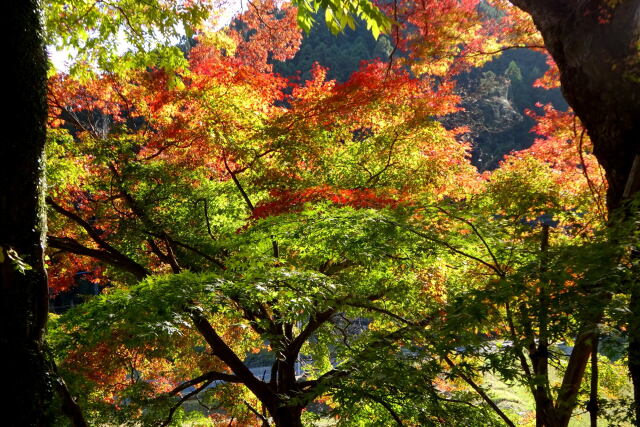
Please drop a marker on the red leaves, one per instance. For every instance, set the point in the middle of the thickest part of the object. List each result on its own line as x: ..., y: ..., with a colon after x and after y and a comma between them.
x: 374, y: 96
x: 265, y: 33
x: 434, y: 33
x: 290, y: 201
x: 559, y: 134
x: 513, y: 27
x: 551, y: 77
x: 63, y: 269
x: 564, y: 145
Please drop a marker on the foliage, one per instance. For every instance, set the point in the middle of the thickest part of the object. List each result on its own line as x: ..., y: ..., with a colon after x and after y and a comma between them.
x: 96, y: 30
x: 341, y: 14
x: 338, y: 226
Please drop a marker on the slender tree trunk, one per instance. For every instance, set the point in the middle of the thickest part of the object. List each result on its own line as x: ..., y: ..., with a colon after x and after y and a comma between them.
x: 23, y: 281
x: 597, y: 50
x: 539, y: 355
x: 592, y: 406
x: 634, y: 346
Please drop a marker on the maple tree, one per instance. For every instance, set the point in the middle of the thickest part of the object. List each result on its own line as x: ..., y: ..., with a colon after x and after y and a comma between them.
x: 597, y: 80
x: 196, y: 183
x: 520, y: 262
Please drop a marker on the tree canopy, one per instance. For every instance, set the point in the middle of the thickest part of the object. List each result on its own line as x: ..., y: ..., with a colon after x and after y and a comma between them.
x: 274, y: 250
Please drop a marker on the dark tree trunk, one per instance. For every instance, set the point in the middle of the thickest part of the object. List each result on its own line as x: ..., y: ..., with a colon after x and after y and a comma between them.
x: 634, y: 346
x: 24, y: 294
x: 598, y: 53
x: 596, y: 50
x: 287, y: 416
x: 284, y: 384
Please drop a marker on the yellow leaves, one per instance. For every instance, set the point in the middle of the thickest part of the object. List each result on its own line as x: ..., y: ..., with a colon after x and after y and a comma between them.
x: 219, y: 40
x: 433, y: 67
x: 434, y: 283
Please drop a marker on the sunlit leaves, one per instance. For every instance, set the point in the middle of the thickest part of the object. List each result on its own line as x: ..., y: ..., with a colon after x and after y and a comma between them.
x: 344, y: 214
x: 340, y: 14
x: 97, y: 31
x: 265, y: 32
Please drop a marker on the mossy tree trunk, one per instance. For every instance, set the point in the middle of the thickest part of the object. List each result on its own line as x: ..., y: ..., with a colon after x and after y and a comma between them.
x: 23, y: 281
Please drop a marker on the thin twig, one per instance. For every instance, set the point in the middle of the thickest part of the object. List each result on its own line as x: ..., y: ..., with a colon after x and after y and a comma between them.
x: 481, y: 392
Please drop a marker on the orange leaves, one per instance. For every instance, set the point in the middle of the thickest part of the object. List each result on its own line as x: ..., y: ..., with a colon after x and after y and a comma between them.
x: 372, y: 131
x: 435, y: 33
x: 102, y: 94
x: 266, y: 31
x: 445, y: 37
x: 372, y: 97
x: 284, y: 201
x: 515, y: 27
x: 566, y: 148
x: 551, y: 78
x: 114, y: 367
x: 63, y: 272
x: 564, y: 144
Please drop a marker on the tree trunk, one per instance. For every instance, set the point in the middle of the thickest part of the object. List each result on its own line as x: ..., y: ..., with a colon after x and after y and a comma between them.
x: 287, y: 416
x: 634, y: 346
x: 23, y: 282
x: 597, y: 50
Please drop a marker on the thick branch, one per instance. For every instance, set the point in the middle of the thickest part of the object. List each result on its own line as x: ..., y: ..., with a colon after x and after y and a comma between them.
x: 314, y: 323
x: 313, y: 388
x: 265, y: 421
x: 69, y: 405
x: 572, y: 379
x: 195, y: 250
x: 209, y: 376
x: 124, y: 261
x: 70, y: 245
x: 206, y: 216
x: 220, y: 349
x: 183, y: 399
x: 386, y: 406
x: 244, y: 194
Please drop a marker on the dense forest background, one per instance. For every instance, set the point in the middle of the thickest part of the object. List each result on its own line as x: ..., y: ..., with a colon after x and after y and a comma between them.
x: 495, y: 96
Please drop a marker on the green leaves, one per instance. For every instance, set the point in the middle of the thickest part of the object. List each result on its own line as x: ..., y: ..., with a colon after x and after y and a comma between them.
x: 342, y: 14
x: 11, y: 256
x: 152, y: 311
x: 97, y: 32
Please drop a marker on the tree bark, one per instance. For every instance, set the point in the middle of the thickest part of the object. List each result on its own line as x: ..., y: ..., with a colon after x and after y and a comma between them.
x: 634, y: 346
x: 23, y: 290
x: 287, y: 416
x: 597, y: 50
